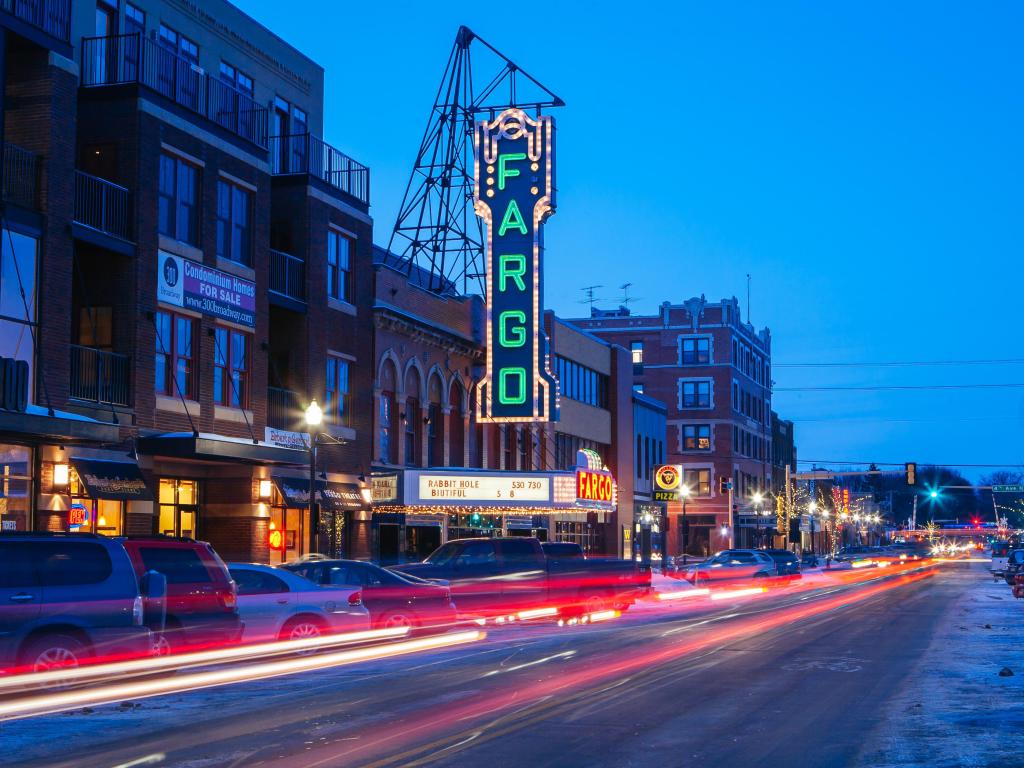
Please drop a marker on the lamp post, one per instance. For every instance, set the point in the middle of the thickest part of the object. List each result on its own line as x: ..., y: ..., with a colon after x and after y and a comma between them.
x: 810, y: 522
x: 757, y: 499
x: 314, y: 417
x: 684, y: 491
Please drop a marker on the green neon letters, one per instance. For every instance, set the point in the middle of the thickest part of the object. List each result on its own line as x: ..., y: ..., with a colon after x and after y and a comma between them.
x: 511, y: 265
x: 507, y: 173
x: 513, y: 219
x: 516, y: 335
x: 505, y: 397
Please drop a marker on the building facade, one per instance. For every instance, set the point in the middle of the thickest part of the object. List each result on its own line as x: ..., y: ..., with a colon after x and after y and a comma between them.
x: 713, y: 371
x: 208, y: 268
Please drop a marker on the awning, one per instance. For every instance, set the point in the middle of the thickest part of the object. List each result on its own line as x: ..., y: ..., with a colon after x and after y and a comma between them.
x: 331, y: 496
x: 37, y: 425
x: 209, y: 447
x: 118, y: 480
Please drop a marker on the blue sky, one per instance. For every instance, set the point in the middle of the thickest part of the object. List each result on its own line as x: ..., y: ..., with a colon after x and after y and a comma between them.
x: 861, y: 160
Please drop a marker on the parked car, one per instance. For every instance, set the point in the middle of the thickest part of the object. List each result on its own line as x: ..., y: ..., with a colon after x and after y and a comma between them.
x: 495, y: 576
x: 1000, y: 553
x: 1014, y: 565
x: 786, y: 563
x: 66, y: 598
x: 277, y: 604
x: 853, y: 554
x: 562, y: 549
x: 732, y: 564
x: 393, y: 599
x: 202, y: 605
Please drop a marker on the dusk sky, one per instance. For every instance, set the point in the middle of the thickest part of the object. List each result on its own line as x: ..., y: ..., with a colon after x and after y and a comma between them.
x: 861, y: 161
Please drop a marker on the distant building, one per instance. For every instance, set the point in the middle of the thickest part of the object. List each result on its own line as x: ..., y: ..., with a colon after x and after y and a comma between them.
x: 713, y: 371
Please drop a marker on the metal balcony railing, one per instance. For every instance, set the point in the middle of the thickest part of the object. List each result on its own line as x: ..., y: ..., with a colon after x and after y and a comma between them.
x: 284, y: 411
x: 120, y: 59
x: 98, y: 376
x: 51, y: 16
x: 20, y: 176
x: 103, y: 205
x: 287, y: 275
x: 306, y: 153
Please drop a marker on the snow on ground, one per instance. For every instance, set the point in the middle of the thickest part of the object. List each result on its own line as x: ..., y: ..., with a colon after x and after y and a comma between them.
x: 955, y: 710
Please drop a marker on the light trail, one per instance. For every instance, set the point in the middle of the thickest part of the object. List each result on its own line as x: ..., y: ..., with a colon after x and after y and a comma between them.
x: 51, y: 703
x: 728, y: 594
x: 151, y: 664
x: 683, y: 594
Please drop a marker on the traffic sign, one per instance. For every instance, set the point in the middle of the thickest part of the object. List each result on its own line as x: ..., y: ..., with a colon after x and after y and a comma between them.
x: 1008, y: 489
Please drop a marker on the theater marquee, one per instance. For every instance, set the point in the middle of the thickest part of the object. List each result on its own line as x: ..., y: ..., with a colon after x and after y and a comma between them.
x: 515, y: 194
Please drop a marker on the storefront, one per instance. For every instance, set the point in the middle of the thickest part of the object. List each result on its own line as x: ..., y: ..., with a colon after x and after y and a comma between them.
x: 16, y: 463
x: 415, y: 511
x: 341, y: 514
x: 100, y: 491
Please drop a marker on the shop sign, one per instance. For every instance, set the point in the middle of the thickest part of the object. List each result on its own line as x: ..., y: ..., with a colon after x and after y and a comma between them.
x: 10, y: 525
x: 668, y: 480
x: 78, y: 515
x: 484, y: 488
x: 189, y: 284
x: 13, y: 384
x: 385, y: 488
x: 514, y: 194
x: 121, y: 481
x: 424, y: 520
x: 282, y: 438
x: 594, y: 486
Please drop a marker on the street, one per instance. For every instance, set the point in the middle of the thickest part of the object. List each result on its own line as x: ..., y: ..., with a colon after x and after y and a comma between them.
x: 792, y: 677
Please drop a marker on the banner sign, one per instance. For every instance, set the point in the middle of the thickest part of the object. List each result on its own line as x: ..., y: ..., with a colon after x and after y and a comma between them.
x: 283, y: 438
x: 385, y: 488
x: 668, y: 480
x: 189, y: 284
x: 486, y: 488
x: 514, y: 194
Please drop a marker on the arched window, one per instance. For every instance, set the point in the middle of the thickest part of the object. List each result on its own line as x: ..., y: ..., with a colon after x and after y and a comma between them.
x: 412, y: 420
x: 435, y: 423
x: 456, y: 426
x: 387, y: 413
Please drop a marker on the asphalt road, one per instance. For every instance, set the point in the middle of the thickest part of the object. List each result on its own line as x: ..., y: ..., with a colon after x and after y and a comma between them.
x: 783, y: 679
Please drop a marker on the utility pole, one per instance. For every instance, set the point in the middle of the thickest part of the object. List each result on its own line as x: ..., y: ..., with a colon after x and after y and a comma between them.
x: 732, y: 522
x: 913, y: 514
x: 789, y: 505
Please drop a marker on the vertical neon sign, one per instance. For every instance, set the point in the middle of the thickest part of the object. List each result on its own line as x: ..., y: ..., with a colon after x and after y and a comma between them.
x: 514, y: 195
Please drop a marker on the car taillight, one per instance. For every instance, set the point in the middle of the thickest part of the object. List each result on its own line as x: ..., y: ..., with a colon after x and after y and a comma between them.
x: 137, y: 612
x: 356, y: 598
x: 228, y: 597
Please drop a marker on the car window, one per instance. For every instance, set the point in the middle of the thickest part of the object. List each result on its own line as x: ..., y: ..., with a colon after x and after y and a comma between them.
x: 1017, y: 556
x: 71, y: 563
x: 340, y: 576
x: 252, y: 582
x: 16, y: 566
x: 742, y: 557
x: 477, y: 553
x: 178, y: 564
x: 513, y: 551
x: 443, y: 554
x: 306, y: 571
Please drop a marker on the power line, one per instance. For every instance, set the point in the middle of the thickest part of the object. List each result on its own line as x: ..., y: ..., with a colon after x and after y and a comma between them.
x: 896, y: 387
x: 902, y: 363
x: 896, y: 420
x: 899, y: 464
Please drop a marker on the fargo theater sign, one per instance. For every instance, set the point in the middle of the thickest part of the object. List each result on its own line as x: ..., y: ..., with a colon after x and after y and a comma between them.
x: 514, y: 195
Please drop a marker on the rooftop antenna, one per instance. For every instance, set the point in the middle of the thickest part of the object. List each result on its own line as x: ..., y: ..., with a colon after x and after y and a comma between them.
x: 748, y: 299
x: 626, y: 298
x: 590, y: 299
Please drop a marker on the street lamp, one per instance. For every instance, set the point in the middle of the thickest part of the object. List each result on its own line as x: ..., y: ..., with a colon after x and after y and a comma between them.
x: 314, y: 417
x: 684, y: 491
x: 756, y: 500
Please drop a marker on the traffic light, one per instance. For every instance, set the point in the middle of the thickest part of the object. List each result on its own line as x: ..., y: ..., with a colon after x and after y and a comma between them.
x: 911, y: 468
x: 724, y: 485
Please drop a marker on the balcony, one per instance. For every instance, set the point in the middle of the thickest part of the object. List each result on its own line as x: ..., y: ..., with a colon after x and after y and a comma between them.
x: 287, y: 281
x: 304, y: 153
x: 103, y: 206
x: 99, y: 377
x: 284, y: 410
x: 50, y: 16
x: 21, y: 177
x: 123, y: 59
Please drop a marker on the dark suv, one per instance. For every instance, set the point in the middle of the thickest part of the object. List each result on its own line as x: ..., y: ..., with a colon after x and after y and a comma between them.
x: 66, y: 598
x: 202, y: 600
x: 786, y: 563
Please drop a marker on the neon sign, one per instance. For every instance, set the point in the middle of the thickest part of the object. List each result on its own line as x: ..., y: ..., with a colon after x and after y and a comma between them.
x: 514, y: 195
x: 595, y: 486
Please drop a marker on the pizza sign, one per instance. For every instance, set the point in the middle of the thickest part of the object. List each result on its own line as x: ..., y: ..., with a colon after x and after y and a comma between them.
x: 668, y: 482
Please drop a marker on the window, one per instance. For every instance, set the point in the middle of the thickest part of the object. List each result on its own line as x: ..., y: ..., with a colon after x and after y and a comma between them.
x: 638, y: 388
x: 696, y: 437
x: 134, y: 20
x: 175, y: 358
x: 695, y: 394
x: 257, y: 582
x: 339, y: 273
x: 698, y: 481
x: 636, y: 350
x: 17, y: 314
x: 234, y: 222
x: 696, y: 351
x: 231, y: 368
x: 178, y: 192
x: 236, y: 79
x: 336, y: 397
x: 71, y: 563
x: 477, y: 553
x: 180, y: 565
x: 577, y: 382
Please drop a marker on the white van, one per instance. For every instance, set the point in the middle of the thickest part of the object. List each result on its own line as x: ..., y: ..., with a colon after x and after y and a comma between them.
x: 1000, y: 553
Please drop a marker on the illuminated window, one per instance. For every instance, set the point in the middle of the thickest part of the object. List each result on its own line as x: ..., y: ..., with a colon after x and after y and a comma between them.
x: 698, y: 481
x: 231, y: 368
x: 339, y: 271
x: 696, y: 437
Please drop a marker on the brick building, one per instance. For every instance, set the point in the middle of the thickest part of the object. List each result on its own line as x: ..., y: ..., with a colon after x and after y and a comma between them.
x: 208, y: 273
x: 713, y: 371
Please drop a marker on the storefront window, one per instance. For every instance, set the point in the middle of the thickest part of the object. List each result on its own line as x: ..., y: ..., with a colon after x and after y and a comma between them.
x: 292, y: 521
x: 179, y: 507
x: 86, y: 515
x: 15, y: 487
x: 18, y: 314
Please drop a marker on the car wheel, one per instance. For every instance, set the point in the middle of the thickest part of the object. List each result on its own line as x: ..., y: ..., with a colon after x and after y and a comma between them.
x: 594, y: 604
x: 302, y: 628
x: 171, y: 640
x: 397, y: 620
x: 51, y: 652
